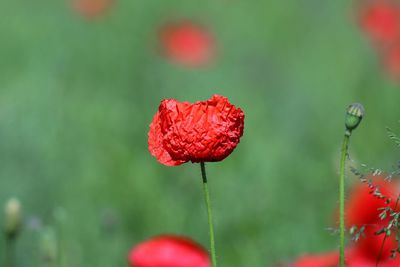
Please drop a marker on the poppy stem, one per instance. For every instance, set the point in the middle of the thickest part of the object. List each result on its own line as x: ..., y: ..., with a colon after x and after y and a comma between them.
x: 209, y: 214
x: 9, y: 252
x: 344, y: 153
x: 354, y: 115
x: 380, y: 250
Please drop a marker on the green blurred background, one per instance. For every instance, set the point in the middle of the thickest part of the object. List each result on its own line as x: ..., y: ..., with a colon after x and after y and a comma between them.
x: 77, y: 96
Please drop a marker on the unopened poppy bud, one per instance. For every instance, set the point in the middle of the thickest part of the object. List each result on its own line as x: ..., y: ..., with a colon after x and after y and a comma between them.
x: 354, y: 115
x: 12, y: 214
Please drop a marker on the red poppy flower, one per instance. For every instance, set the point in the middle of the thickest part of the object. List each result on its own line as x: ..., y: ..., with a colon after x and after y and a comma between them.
x: 355, y: 257
x: 91, y: 8
x: 380, y: 20
x: 168, y: 251
x: 199, y: 132
x: 187, y: 43
x: 363, y: 207
x: 363, y: 210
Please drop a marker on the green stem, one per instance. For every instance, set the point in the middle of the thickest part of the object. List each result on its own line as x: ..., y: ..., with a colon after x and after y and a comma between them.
x: 59, y: 216
x: 380, y: 250
x: 209, y: 214
x: 9, y: 258
x: 341, y: 196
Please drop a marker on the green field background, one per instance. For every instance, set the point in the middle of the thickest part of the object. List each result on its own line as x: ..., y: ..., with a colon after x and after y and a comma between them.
x: 77, y: 97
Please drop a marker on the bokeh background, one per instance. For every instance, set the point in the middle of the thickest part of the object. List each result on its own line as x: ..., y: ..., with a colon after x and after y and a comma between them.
x: 77, y: 94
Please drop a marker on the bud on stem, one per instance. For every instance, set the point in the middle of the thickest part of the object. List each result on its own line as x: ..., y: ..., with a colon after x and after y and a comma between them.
x: 12, y: 227
x: 12, y: 212
x: 354, y: 115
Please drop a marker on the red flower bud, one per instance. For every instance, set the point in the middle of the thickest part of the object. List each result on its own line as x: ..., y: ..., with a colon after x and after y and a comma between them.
x: 168, y: 251
x: 199, y: 132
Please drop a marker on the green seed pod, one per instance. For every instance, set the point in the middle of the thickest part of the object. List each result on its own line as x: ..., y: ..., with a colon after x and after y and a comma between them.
x: 12, y: 212
x: 354, y: 115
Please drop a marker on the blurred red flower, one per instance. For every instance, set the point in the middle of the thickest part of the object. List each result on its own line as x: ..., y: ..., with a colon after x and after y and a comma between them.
x: 91, y: 8
x: 187, y: 43
x: 168, y: 251
x: 355, y: 257
x: 363, y: 209
x: 380, y: 20
x: 199, y: 132
x: 330, y: 259
x: 391, y: 61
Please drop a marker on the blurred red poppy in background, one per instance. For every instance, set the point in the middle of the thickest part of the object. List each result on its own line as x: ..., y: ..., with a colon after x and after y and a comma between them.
x: 362, y: 210
x: 198, y: 132
x: 391, y: 61
x: 330, y: 259
x: 168, y: 251
x: 380, y: 21
x: 91, y: 8
x: 187, y: 43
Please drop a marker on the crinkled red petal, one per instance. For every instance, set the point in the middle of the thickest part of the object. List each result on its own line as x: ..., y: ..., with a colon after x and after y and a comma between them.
x: 155, y: 142
x: 203, y: 131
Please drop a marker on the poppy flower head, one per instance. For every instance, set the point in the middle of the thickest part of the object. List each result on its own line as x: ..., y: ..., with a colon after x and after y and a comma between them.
x: 363, y: 205
x: 354, y: 114
x: 168, y: 251
x: 187, y: 43
x: 363, y: 209
x: 356, y: 257
x: 199, y: 132
x: 380, y: 21
x: 91, y: 8
x: 370, y: 243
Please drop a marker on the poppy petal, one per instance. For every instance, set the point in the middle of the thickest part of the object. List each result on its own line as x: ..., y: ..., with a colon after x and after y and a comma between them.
x: 169, y: 251
x: 156, y: 147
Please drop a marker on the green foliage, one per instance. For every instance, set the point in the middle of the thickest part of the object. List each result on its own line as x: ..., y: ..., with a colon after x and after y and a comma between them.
x: 393, y: 136
x: 77, y: 96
